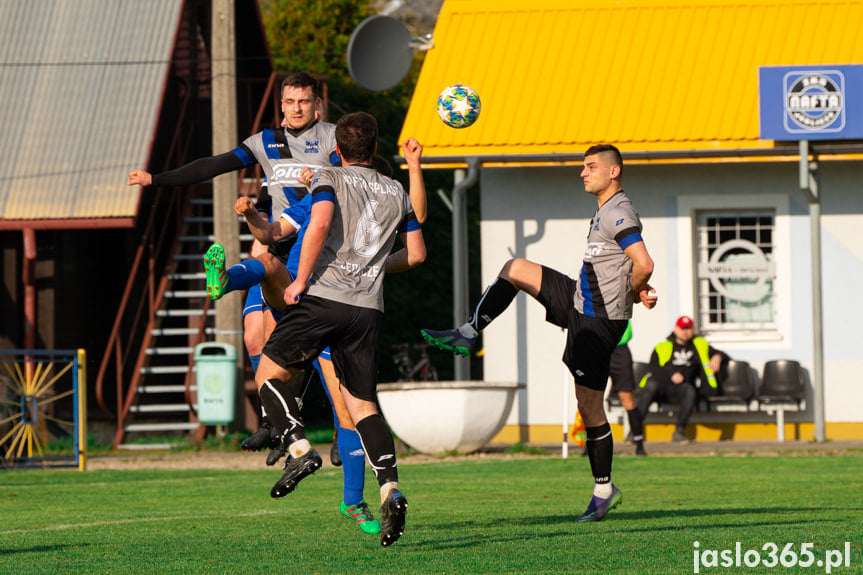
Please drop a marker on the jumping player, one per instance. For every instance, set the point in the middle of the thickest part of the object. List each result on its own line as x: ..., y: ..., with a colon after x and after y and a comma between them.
x: 303, y: 141
x: 594, y: 308
x: 356, y: 214
x: 274, y: 277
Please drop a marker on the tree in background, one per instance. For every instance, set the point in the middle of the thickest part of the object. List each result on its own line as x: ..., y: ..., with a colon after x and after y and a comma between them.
x: 313, y: 35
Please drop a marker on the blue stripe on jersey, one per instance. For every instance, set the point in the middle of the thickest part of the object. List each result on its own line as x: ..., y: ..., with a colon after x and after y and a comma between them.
x: 585, y: 291
x: 594, y: 304
x: 412, y: 224
x: 629, y: 240
x: 243, y: 156
x: 324, y: 194
x: 270, y: 144
x: 627, y: 237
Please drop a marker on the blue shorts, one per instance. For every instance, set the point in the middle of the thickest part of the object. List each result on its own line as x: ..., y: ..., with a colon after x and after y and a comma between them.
x: 254, y: 300
x: 264, y: 305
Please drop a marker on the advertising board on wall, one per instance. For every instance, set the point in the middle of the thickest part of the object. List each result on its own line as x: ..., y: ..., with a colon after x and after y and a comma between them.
x: 822, y: 102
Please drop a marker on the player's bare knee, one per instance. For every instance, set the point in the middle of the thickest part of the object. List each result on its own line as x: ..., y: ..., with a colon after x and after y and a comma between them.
x: 510, y: 269
x: 270, y: 261
x: 590, y: 405
x: 268, y: 369
x: 254, y: 342
x: 524, y: 274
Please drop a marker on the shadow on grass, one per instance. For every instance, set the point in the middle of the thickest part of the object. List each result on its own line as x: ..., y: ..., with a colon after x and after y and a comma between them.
x: 659, y: 515
x: 38, y: 549
x: 614, y: 523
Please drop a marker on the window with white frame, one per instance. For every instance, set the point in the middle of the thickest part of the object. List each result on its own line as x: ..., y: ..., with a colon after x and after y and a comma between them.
x: 735, y: 270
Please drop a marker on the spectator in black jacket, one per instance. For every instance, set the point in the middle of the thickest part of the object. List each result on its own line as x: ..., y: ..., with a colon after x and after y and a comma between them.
x: 675, y: 365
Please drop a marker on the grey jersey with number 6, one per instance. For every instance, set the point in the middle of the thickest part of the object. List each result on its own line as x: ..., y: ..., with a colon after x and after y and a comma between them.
x: 370, y: 209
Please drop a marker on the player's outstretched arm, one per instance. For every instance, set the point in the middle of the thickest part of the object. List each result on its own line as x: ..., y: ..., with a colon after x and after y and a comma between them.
x: 265, y: 232
x: 412, y: 151
x: 410, y: 256
x: 139, y: 177
x: 194, y: 172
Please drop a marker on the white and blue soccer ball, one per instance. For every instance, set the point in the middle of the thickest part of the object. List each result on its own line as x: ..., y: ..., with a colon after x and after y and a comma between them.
x: 458, y: 106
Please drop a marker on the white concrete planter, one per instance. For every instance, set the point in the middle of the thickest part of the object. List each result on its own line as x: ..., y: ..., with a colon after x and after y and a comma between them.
x: 436, y: 417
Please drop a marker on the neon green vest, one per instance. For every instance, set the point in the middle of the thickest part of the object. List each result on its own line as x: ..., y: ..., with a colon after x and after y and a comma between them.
x: 663, y: 352
x: 627, y: 335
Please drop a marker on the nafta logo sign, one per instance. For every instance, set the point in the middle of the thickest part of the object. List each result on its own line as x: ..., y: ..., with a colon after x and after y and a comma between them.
x: 810, y: 102
x: 814, y: 101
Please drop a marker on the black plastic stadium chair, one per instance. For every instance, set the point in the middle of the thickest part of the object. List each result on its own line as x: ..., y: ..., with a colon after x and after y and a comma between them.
x: 737, y: 390
x: 783, y: 382
x: 783, y: 388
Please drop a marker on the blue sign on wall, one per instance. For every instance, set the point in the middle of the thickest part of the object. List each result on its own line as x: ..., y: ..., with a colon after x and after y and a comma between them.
x: 811, y: 102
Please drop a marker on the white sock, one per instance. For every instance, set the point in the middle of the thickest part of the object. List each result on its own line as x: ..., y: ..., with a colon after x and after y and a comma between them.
x: 387, y: 488
x: 602, y: 490
x: 467, y: 330
x: 299, y: 448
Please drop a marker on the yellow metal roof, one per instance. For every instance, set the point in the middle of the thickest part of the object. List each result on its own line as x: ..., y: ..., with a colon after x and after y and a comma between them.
x: 555, y: 76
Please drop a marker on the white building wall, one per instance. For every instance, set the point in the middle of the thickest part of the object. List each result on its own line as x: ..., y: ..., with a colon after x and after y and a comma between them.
x: 543, y: 213
x: 842, y: 259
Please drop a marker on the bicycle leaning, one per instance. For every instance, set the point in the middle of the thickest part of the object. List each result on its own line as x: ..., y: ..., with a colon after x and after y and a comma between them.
x: 410, y: 370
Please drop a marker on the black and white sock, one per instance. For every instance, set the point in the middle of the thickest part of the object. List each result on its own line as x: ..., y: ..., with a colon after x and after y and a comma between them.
x: 493, y: 302
x: 284, y: 414
x: 379, y: 447
x: 600, y: 452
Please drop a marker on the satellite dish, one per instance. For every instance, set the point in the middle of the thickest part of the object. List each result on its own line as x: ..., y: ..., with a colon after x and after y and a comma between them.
x: 379, y: 53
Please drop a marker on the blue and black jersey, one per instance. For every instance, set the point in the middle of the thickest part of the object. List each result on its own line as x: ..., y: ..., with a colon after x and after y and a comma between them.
x: 605, y: 282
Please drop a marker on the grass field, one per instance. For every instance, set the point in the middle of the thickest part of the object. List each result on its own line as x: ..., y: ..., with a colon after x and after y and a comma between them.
x: 475, y: 516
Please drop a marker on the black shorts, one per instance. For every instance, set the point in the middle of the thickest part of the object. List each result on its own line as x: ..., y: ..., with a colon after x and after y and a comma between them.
x: 589, y: 340
x: 282, y: 248
x: 620, y: 368
x: 352, y: 333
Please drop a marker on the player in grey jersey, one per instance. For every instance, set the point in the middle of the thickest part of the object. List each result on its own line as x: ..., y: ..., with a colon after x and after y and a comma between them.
x: 355, y: 216
x: 594, y: 309
x: 302, y: 141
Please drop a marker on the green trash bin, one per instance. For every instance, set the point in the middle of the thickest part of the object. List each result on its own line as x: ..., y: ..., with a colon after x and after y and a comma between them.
x: 216, y: 378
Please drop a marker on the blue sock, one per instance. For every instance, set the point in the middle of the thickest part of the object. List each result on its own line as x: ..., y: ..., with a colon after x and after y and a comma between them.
x: 353, y: 465
x: 244, y: 275
x: 255, y: 359
x: 352, y: 454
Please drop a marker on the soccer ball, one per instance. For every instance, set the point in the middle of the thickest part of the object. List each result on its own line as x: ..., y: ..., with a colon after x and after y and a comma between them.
x: 458, y: 106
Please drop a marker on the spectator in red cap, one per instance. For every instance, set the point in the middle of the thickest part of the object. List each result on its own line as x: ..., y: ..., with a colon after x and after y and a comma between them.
x: 675, y: 365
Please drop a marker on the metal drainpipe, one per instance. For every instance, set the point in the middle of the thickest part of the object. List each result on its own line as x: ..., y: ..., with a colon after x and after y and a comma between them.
x: 809, y: 186
x: 29, y: 277
x: 460, y: 299
x: 29, y: 273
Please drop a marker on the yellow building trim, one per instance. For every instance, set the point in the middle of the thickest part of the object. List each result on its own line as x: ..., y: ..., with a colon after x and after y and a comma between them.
x: 556, y: 76
x: 766, y: 431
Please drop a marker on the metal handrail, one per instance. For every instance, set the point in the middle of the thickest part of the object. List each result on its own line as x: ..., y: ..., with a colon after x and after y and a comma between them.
x: 114, y: 348
x: 120, y: 353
